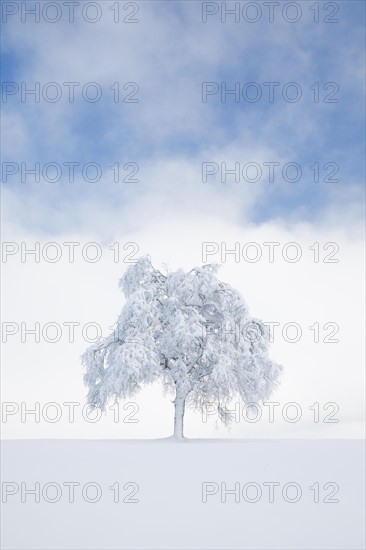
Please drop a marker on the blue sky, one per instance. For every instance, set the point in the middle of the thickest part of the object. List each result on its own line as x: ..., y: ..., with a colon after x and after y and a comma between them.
x: 169, y: 53
x: 170, y: 212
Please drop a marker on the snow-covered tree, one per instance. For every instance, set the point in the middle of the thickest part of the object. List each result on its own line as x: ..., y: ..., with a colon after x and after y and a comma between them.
x: 190, y: 331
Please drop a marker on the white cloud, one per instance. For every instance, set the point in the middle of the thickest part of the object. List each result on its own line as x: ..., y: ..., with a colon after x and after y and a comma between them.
x: 305, y: 293
x: 171, y: 212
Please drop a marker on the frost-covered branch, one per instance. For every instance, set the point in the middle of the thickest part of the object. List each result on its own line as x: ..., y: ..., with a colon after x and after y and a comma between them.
x: 179, y: 337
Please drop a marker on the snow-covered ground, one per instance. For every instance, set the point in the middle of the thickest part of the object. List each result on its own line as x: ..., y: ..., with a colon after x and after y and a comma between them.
x: 170, y: 495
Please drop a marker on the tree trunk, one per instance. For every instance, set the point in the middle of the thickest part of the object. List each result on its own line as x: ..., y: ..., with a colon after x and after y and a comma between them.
x: 179, y: 404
